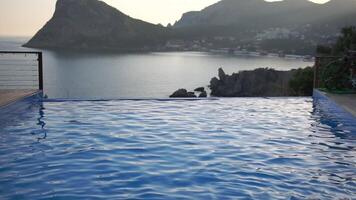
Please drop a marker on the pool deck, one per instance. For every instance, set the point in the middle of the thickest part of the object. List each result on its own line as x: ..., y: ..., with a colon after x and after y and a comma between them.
x: 347, y: 101
x: 10, y: 96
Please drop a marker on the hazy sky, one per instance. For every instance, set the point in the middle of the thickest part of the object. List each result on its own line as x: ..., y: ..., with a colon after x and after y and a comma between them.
x: 26, y: 17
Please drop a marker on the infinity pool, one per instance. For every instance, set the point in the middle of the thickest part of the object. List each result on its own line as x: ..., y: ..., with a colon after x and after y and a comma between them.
x: 248, y: 148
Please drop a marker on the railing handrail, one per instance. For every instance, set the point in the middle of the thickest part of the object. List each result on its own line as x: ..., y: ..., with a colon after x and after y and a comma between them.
x: 39, y: 60
x: 17, y: 52
x: 321, y: 56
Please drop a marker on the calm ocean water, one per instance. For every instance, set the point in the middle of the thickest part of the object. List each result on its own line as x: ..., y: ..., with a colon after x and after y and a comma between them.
x: 140, y: 75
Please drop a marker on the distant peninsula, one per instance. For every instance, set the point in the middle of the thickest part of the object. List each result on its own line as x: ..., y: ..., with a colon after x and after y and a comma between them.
x: 289, y: 26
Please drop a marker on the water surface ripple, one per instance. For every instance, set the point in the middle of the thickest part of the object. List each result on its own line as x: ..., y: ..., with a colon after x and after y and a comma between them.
x: 248, y: 148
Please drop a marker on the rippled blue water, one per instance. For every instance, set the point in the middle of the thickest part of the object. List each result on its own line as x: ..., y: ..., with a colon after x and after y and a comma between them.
x: 248, y: 148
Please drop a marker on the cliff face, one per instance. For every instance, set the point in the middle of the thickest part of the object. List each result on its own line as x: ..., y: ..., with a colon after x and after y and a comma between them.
x: 257, y: 83
x: 92, y: 24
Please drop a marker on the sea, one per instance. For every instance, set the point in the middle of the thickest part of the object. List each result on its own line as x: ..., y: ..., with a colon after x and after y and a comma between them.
x: 103, y: 75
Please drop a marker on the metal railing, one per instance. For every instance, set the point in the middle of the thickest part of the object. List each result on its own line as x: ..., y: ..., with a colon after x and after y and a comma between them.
x: 322, y: 62
x: 21, y: 70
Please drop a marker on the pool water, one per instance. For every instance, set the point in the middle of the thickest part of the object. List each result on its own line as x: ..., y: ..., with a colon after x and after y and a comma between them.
x: 239, y: 148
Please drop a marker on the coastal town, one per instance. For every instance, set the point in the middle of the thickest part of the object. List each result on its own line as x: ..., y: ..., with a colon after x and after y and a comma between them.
x: 207, y: 46
x: 258, y: 44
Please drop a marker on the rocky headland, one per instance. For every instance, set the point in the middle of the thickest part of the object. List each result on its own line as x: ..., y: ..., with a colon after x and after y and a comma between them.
x: 94, y: 25
x: 256, y: 83
x: 262, y: 82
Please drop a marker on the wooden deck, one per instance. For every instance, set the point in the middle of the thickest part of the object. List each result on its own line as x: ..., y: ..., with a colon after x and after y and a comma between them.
x: 9, y: 96
x: 347, y: 101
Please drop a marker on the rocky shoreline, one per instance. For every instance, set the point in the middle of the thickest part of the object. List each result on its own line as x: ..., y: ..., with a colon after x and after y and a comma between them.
x: 262, y: 82
x: 256, y: 83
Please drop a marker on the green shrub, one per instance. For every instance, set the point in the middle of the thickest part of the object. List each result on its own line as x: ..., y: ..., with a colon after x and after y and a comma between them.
x: 302, y: 82
x: 336, y: 76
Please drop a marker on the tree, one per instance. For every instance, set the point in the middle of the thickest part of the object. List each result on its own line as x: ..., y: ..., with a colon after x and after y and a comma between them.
x: 347, y: 41
x: 336, y: 74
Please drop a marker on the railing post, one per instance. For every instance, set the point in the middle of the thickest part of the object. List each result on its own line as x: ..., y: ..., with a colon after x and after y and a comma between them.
x: 40, y: 70
x: 316, y: 72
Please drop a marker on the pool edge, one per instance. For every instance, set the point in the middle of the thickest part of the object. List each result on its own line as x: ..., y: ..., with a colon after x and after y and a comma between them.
x: 332, y: 108
x: 20, y: 104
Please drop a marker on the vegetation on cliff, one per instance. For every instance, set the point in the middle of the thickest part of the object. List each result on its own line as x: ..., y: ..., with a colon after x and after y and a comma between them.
x: 302, y: 82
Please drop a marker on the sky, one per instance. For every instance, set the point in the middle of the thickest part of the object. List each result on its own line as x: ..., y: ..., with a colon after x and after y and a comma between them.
x: 26, y: 17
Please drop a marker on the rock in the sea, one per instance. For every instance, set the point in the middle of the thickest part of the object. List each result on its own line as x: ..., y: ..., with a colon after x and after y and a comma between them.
x: 222, y: 74
x: 203, y: 94
x: 200, y: 89
x: 183, y: 93
x: 191, y: 95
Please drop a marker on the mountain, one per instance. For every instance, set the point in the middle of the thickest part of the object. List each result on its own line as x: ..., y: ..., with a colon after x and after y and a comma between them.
x: 259, y: 14
x: 289, y: 26
x: 92, y: 24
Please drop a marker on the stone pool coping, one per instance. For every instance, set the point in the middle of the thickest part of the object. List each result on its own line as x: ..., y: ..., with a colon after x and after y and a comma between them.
x: 339, y: 102
x: 347, y: 101
x: 9, y: 96
x: 20, y: 104
x: 335, y: 109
